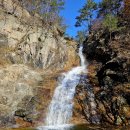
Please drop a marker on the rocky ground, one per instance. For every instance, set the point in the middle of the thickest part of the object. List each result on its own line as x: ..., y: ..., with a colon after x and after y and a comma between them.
x: 109, y: 77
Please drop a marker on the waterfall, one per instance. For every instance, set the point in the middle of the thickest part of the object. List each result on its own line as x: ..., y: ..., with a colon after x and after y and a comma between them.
x: 82, y: 58
x: 61, y: 107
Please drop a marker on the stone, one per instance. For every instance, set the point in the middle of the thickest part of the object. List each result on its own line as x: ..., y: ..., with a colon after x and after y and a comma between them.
x: 33, y: 44
x: 21, y: 94
x: 108, y: 73
x: 31, y: 59
x: 3, y: 40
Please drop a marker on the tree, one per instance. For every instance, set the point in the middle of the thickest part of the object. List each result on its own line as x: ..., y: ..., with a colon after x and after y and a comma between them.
x: 111, y: 23
x: 86, y: 14
x: 47, y: 9
x: 62, y: 25
x: 50, y: 10
x: 81, y: 35
x: 109, y: 7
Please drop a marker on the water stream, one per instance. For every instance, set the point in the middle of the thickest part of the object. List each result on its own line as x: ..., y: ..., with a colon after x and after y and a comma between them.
x: 61, y: 106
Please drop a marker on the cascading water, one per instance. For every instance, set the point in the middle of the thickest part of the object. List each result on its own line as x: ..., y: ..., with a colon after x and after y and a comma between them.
x: 61, y: 106
x: 60, y: 109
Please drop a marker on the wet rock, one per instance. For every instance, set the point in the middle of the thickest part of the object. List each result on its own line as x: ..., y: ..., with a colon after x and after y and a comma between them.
x: 85, y: 105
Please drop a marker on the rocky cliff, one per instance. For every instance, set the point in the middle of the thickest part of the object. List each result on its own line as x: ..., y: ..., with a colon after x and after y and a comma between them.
x: 31, y: 57
x: 30, y: 42
x: 109, y: 77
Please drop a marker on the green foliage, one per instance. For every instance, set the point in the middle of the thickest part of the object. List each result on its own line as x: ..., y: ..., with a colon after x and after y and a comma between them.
x: 103, y: 8
x: 81, y: 35
x: 86, y: 14
x: 110, y: 22
x: 109, y: 7
x: 47, y: 9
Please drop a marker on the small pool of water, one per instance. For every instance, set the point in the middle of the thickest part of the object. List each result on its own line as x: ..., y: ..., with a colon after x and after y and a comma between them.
x: 76, y: 127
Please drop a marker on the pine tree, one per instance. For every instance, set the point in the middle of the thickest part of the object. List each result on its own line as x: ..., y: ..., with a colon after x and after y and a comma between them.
x: 111, y: 23
x: 86, y: 14
x: 109, y: 7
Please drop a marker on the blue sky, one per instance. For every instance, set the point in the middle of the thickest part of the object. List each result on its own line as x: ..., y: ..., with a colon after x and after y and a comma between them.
x: 70, y: 12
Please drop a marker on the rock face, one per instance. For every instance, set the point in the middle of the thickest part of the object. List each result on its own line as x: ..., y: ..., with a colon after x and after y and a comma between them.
x: 109, y: 76
x: 85, y: 110
x: 30, y: 42
x: 22, y: 94
x: 31, y: 57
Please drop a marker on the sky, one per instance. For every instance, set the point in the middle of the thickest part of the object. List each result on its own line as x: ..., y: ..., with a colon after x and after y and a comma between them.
x: 70, y: 12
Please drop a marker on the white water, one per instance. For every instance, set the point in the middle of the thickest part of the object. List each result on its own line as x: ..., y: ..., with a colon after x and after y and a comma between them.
x: 61, y: 106
x: 60, y: 109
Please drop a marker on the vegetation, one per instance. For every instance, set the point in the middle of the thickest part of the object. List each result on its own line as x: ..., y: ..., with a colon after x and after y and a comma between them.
x: 109, y: 7
x: 86, y: 14
x: 110, y: 22
x: 81, y: 35
x: 48, y: 10
x: 105, y: 14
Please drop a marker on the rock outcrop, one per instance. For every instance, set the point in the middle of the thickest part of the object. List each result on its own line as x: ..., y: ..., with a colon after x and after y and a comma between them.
x: 109, y: 76
x: 30, y: 42
x: 31, y: 57
x: 22, y: 94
